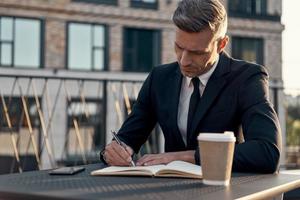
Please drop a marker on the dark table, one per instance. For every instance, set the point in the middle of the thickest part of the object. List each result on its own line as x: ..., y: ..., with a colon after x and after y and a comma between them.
x: 40, y: 185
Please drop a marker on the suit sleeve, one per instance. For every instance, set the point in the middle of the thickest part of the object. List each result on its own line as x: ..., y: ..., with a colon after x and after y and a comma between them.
x: 137, y: 127
x: 261, y: 150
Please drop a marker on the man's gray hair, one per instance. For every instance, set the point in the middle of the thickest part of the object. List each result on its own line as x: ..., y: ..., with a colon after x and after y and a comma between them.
x: 197, y: 15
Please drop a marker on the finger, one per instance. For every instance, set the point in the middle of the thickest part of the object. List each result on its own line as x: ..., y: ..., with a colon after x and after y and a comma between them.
x: 145, y: 159
x: 129, y: 150
x: 157, y: 161
x: 120, y: 150
x: 140, y: 161
x: 112, y: 155
x: 113, y: 158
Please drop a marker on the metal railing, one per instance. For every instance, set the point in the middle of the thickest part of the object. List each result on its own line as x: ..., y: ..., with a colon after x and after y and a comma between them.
x: 51, y: 118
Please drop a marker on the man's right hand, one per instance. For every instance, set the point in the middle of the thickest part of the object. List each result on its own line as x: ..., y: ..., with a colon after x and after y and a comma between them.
x: 117, y: 155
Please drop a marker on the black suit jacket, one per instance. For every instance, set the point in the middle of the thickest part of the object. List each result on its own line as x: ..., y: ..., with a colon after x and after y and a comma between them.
x: 235, y: 98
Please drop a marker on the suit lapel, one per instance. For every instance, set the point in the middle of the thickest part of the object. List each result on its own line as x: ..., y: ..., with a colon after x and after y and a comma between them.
x: 211, y: 92
x: 213, y: 88
x: 174, y: 95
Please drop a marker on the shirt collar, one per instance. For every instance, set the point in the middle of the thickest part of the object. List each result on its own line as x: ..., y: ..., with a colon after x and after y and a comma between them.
x: 204, y: 77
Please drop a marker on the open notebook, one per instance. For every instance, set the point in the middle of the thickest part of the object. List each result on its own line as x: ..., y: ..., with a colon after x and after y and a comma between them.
x: 173, y: 169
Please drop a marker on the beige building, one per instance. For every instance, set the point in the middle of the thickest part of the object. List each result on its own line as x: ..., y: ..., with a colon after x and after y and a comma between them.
x: 115, y: 40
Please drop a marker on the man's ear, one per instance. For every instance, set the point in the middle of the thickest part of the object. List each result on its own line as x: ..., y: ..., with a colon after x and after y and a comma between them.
x: 222, y: 43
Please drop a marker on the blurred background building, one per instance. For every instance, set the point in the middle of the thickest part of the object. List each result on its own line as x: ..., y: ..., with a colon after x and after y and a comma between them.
x: 70, y: 70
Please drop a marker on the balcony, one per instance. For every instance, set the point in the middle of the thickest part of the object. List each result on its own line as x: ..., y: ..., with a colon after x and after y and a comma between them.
x: 52, y: 118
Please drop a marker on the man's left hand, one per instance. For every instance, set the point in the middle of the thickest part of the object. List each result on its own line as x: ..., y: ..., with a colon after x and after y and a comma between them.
x: 165, y: 158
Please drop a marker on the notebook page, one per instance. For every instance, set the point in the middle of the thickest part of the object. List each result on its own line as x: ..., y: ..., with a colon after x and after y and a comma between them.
x: 184, y: 167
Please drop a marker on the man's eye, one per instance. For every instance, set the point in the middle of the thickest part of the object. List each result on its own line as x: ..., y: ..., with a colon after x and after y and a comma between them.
x: 178, y: 47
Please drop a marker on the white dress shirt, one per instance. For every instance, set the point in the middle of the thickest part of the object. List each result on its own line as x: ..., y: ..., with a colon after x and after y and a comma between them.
x: 186, y: 91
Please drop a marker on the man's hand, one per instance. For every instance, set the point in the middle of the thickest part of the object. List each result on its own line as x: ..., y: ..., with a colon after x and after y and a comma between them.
x: 115, y: 154
x: 165, y: 158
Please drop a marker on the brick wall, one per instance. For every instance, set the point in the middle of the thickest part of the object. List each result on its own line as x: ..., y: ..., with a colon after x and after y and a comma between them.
x: 270, y: 32
x: 55, y: 43
x: 57, y: 13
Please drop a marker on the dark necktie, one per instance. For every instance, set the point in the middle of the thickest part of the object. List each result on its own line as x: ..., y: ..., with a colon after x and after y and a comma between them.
x: 194, y: 100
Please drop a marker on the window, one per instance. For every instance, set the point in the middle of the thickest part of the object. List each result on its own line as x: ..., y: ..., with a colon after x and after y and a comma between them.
x: 256, y: 9
x: 16, y: 113
x: 20, y: 130
x: 250, y: 49
x: 108, y: 2
x: 91, y: 123
x: 147, y: 4
x: 252, y: 7
x: 141, y: 49
x: 20, y: 42
x: 86, y: 46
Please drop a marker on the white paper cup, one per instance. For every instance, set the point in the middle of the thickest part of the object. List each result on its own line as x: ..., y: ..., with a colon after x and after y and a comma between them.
x: 216, y: 155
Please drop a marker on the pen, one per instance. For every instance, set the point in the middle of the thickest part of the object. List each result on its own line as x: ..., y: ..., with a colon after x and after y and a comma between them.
x: 120, y: 143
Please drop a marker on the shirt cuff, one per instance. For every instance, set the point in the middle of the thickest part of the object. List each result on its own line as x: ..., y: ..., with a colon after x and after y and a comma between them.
x: 102, y: 157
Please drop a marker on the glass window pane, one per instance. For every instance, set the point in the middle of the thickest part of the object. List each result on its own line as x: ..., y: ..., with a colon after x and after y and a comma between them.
x: 6, y: 28
x: 149, y: 1
x: 255, y: 7
x: 91, y: 126
x: 147, y: 4
x: 250, y: 49
x: 6, y: 56
x: 99, y: 36
x: 258, y: 7
x: 248, y: 6
x: 146, y: 1
x: 249, y: 54
x: 139, y: 54
x: 27, y: 43
x: 79, y: 46
x: 99, y: 59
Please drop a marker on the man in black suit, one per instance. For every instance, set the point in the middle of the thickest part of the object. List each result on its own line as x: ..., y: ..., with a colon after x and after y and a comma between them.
x: 204, y: 91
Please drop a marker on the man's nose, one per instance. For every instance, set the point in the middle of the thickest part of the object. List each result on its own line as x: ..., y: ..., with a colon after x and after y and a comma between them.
x: 185, y: 59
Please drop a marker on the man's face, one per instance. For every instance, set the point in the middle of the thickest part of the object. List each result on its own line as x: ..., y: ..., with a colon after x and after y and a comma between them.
x: 196, y: 52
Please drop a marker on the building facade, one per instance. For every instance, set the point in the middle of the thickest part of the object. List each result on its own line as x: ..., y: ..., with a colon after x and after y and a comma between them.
x: 121, y: 39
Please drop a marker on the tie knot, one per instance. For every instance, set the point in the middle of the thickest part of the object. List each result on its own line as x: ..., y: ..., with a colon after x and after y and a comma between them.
x: 196, y: 82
